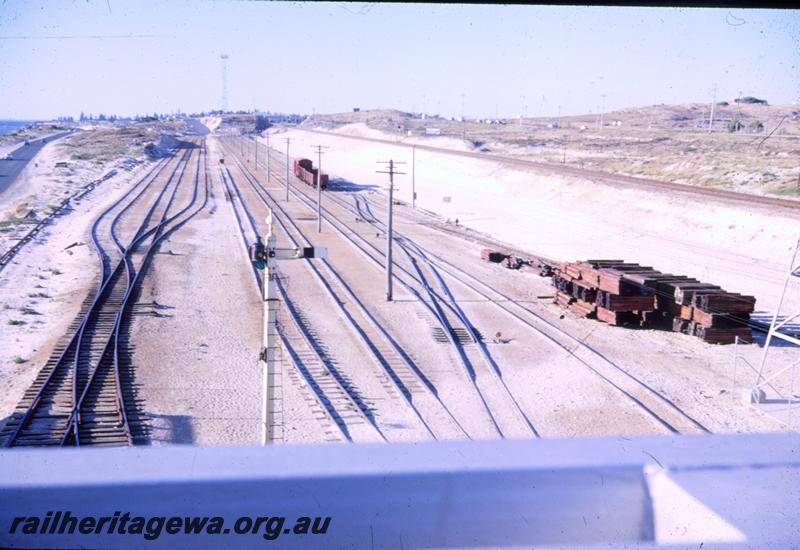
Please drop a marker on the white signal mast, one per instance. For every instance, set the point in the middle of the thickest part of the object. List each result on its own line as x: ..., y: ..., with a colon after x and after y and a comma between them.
x: 265, y: 255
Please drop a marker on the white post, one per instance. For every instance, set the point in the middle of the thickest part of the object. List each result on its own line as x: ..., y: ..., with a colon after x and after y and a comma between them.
x: 735, y: 365
x: 268, y: 157
x: 711, y: 118
x: 287, y: 169
x: 271, y: 337
x: 319, y: 190
x: 389, y: 236
x: 413, y: 176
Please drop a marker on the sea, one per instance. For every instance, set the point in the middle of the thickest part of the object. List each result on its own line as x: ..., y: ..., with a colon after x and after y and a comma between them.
x: 8, y: 126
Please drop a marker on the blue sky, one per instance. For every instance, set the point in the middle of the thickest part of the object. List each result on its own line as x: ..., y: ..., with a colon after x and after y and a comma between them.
x: 145, y: 56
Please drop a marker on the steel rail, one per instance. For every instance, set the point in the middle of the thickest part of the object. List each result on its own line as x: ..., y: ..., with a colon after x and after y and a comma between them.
x: 666, y: 424
x: 69, y: 345
x: 323, y: 398
x: 131, y: 281
x: 264, y: 195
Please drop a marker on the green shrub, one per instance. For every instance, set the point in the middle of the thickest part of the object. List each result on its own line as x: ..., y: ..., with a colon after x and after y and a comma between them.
x: 734, y: 126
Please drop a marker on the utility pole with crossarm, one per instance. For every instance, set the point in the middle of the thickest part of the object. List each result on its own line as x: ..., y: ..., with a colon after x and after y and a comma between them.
x: 389, y: 237
x: 319, y: 149
x: 288, y: 140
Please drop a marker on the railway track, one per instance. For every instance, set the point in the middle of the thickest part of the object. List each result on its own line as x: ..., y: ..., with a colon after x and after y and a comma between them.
x: 342, y: 417
x: 502, y: 409
x: 83, y: 394
x: 664, y: 411
x: 9, y: 254
x: 660, y: 408
x: 503, y: 412
x: 396, y: 369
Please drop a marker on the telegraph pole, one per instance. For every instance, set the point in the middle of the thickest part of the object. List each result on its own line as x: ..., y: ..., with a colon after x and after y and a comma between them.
x: 319, y: 149
x: 224, y: 100
x: 463, y: 121
x: 713, y: 102
x: 602, y: 109
x: 267, y: 158
x: 287, y: 169
x: 389, y: 237
x: 414, y: 176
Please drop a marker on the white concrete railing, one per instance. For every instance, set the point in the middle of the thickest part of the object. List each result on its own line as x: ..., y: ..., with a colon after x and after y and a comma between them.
x: 742, y: 490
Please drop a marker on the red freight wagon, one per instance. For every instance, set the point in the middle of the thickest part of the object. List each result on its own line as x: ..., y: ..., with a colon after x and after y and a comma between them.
x: 304, y: 169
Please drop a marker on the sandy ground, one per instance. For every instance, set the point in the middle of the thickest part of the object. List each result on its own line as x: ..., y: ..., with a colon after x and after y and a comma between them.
x: 742, y: 249
x: 735, y: 253
x: 562, y: 395
x: 196, y: 359
x: 211, y: 122
x: 197, y: 329
x: 196, y: 362
x: 662, y: 142
x: 52, y: 282
x: 41, y: 186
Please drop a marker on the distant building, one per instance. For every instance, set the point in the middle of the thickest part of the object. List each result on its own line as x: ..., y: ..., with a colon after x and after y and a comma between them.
x: 356, y: 109
x: 432, y: 131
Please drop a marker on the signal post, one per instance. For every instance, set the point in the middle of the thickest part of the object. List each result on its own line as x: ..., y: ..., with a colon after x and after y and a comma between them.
x: 265, y: 255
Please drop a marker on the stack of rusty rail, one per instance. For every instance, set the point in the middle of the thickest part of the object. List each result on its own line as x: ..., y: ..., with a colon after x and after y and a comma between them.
x: 625, y: 294
x: 510, y: 261
x: 595, y: 288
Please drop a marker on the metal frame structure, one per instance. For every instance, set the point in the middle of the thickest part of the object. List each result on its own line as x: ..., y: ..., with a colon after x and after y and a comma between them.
x: 780, y: 328
x: 731, y: 491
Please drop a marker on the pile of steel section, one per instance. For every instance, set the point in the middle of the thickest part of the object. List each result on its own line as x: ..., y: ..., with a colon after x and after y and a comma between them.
x: 626, y: 294
x: 528, y: 265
